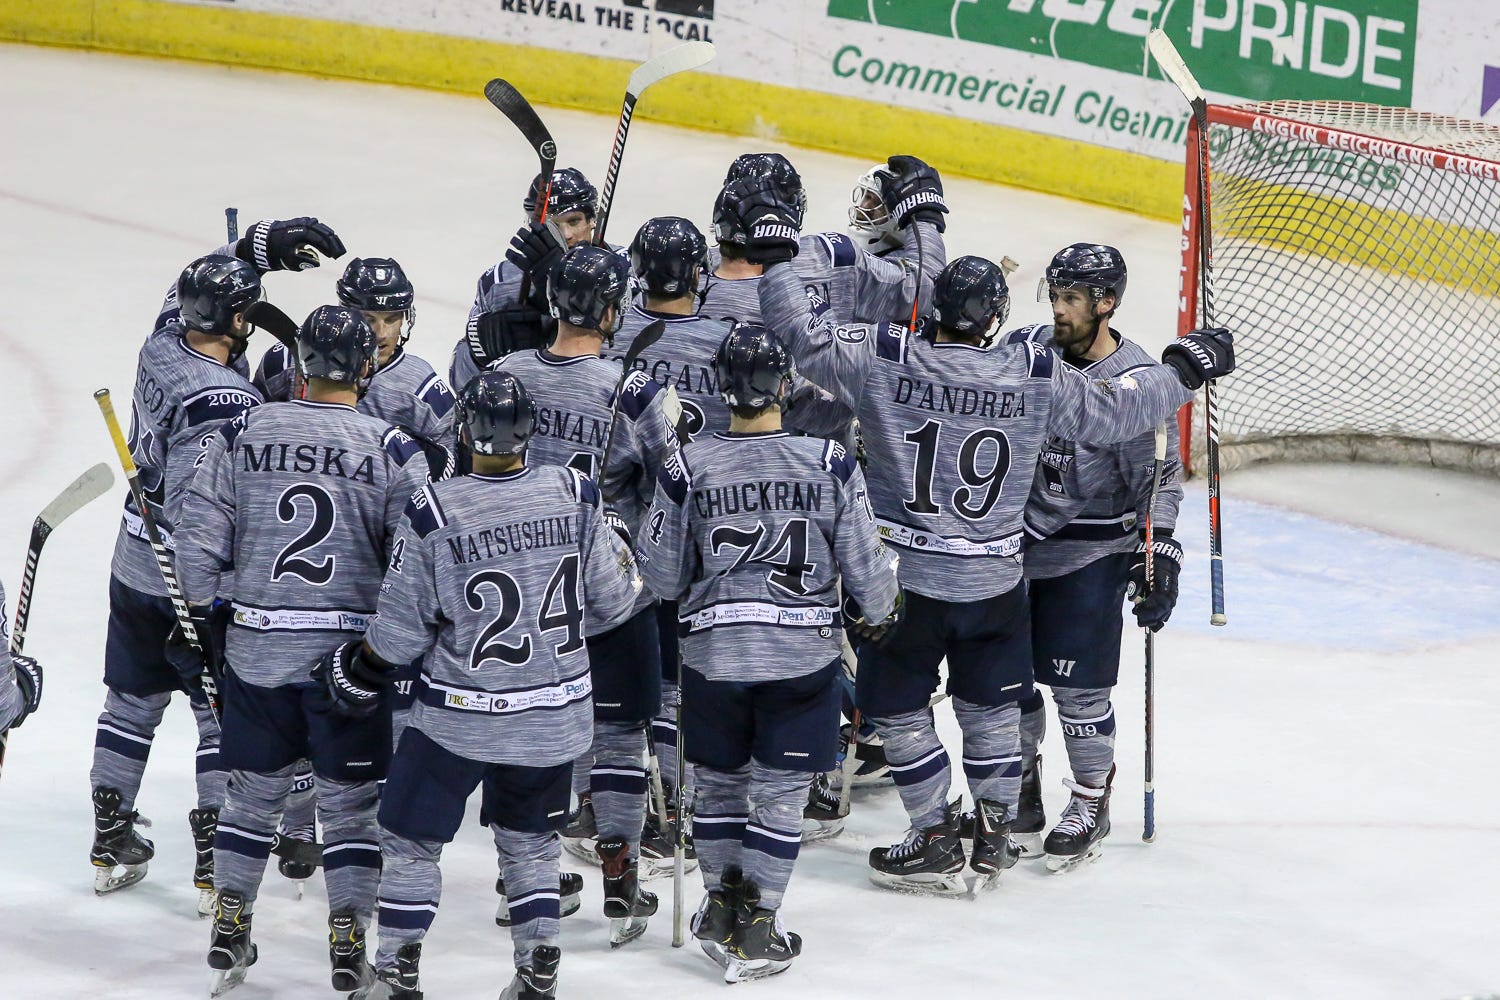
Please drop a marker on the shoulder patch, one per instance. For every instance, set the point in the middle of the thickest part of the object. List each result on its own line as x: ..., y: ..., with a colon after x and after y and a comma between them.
x: 841, y: 249
x: 890, y: 342
x: 583, y: 488
x: 674, y: 476
x: 436, y: 394
x: 218, y: 404
x: 399, y: 445
x: 231, y: 429
x: 1042, y: 360
x: 424, y: 512
x: 636, y: 393
x: 1039, y: 332
x: 488, y: 280
x: 838, y: 461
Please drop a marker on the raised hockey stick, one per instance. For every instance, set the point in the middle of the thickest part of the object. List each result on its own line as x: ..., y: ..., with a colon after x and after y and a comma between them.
x: 94, y: 483
x: 265, y: 316
x: 508, y: 100
x: 1170, y: 61
x: 679, y: 833
x: 678, y: 59
x: 232, y: 223
x: 1158, y: 465
x: 159, y: 549
x: 648, y: 336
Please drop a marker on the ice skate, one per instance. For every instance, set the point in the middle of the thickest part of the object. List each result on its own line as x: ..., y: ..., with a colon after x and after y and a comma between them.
x: 871, y: 769
x: 1084, y: 823
x: 346, y: 953
x: 718, y: 916
x: 119, y: 854
x: 761, y: 947
x: 203, y: 822
x: 994, y: 850
x: 399, y: 983
x: 1031, y: 817
x: 626, y: 904
x: 581, y: 834
x: 820, y: 817
x: 298, y: 855
x: 657, y: 848
x: 569, y: 892
x: 537, y: 981
x: 927, y: 862
x: 230, y: 951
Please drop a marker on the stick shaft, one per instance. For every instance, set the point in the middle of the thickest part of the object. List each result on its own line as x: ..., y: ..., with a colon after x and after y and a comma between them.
x: 232, y: 223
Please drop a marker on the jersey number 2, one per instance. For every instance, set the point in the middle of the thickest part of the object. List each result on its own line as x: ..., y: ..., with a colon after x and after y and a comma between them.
x: 289, y: 562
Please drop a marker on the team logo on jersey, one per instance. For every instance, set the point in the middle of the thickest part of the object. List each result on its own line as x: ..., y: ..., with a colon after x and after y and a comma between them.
x: 1064, y: 668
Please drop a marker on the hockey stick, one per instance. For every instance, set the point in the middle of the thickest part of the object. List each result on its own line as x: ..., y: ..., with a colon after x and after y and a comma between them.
x: 93, y: 484
x: 1159, y: 463
x: 1170, y: 61
x: 159, y: 549
x: 658, y: 793
x: 647, y: 337
x: 232, y: 224
x: 511, y: 104
x: 678, y: 59
x: 265, y: 316
x: 679, y: 834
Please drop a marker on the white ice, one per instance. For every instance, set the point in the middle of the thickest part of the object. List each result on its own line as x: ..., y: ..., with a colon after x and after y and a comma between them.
x: 1326, y: 800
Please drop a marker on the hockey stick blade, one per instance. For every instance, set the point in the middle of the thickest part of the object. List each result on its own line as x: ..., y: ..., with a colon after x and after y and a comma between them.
x: 509, y: 102
x: 678, y: 59
x: 94, y: 483
x: 275, y: 322
x: 1170, y: 61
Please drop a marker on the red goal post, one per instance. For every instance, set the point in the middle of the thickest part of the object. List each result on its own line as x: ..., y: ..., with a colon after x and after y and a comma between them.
x: 1356, y: 257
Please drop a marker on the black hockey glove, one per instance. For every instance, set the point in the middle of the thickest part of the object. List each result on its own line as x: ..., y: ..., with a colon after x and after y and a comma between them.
x: 29, y: 682
x: 614, y: 520
x: 353, y: 678
x: 1154, y: 604
x: 187, y: 661
x: 1200, y: 356
x: 874, y: 633
x: 913, y: 192
x: 506, y: 331
x: 537, y: 249
x: 772, y: 223
x: 288, y: 244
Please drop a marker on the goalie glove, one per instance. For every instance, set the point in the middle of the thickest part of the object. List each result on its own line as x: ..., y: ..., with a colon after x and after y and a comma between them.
x: 353, y: 678
x: 29, y: 683
x: 874, y: 633
x: 1154, y: 603
x: 288, y: 244
x: 912, y: 192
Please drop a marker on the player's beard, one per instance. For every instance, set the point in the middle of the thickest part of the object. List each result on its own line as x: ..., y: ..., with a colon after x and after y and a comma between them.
x: 1075, y: 339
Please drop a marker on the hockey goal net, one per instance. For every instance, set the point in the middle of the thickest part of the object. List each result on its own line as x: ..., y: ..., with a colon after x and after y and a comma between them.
x: 1356, y: 257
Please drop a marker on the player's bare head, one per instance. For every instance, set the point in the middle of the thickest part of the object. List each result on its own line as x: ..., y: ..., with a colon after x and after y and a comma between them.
x: 773, y: 167
x: 336, y: 348
x: 1085, y: 284
x: 869, y: 218
x: 587, y: 294
x: 754, y: 370
x: 667, y: 256
x: 380, y: 290
x: 970, y: 299
x: 495, y: 415
x: 570, y: 199
x: 213, y: 293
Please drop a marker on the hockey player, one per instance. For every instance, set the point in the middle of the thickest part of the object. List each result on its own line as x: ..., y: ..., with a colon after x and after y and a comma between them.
x: 579, y: 418
x: 20, y: 680
x: 499, y: 322
x: 302, y: 500
x: 496, y: 578
x: 753, y: 529
x: 945, y: 420
x: 185, y: 388
x: 1079, y: 575
x: 731, y: 290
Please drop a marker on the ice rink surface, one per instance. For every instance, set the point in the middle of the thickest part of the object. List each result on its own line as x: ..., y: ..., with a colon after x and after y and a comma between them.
x: 1326, y: 794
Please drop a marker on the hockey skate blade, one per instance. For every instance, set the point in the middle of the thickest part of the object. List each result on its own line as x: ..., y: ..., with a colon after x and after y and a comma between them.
x: 1030, y: 845
x: 1059, y: 864
x: 623, y: 930
x: 221, y: 981
x: 739, y: 970
x: 116, y: 877
x: 582, y: 849
x: 651, y: 869
x: 208, y: 902
x: 926, y: 884
x: 715, y: 951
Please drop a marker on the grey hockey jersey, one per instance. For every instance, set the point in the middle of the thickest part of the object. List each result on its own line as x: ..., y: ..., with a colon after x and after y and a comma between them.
x: 860, y: 287
x: 10, y: 695
x: 180, y: 400
x: 753, y: 533
x: 302, y: 500
x: 1089, y: 500
x: 497, y: 288
x: 736, y: 300
x: 952, y: 432
x: 494, y: 581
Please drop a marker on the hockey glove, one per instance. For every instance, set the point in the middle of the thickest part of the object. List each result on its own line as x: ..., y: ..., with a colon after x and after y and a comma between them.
x: 506, y: 331
x: 1154, y: 604
x: 187, y: 661
x: 353, y: 678
x: 537, y: 249
x: 913, y: 192
x: 874, y: 633
x: 29, y: 683
x: 288, y: 244
x: 614, y: 520
x: 1201, y: 356
x: 772, y: 223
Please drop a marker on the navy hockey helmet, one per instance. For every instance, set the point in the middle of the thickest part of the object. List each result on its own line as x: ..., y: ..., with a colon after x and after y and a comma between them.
x: 586, y: 284
x: 970, y: 297
x: 335, y: 343
x: 496, y: 414
x: 775, y: 167
x: 212, y: 289
x: 665, y: 253
x: 571, y: 192
x: 375, y: 284
x: 753, y: 367
x: 1099, y: 268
